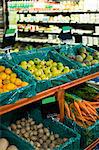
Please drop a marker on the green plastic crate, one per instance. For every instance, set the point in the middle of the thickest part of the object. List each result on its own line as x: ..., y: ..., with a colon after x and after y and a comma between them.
x: 23, y: 92
x: 73, y: 142
x: 87, y: 134
x: 46, y: 55
x: 14, y: 140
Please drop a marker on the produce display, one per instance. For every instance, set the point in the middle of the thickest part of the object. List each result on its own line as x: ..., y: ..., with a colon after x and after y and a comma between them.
x: 85, y: 57
x: 9, y: 80
x: 81, y: 111
x: 4, y: 145
x: 85, y: 92
x: 38, y: 136
x: 44, y: 70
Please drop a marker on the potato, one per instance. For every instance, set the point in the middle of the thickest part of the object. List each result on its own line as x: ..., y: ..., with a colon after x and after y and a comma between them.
x: 44, y: 145
x: 41, y: 141
x: 46, y: 130
x: 26, y: 135
x: 23, y: 131
x: 27, y: 128
x: 22, y: 124
x: 35, y: 127
x: 17, y: 131
x: 19, y: 126
x: 13, y: 127
x: 56, y: 136
x: 12, y: 147
x: 44, y: 138
x: 52, y: 138
x: 34, y: 132
x: 40, y: 126
x: 48, y: 134
x: 40, y: 135
x: 31, y: 142
x: 41, y: 131
x: 18, y: 122
x: 23, y: 119
x: 33, y: 138
x: 30, y: 120
x: 31, y: 133
x: 3, y: 144
x: 48, y: 142
x: 32, y: 123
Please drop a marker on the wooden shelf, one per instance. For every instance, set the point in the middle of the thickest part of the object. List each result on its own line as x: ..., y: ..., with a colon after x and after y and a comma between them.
x: 59, y: 89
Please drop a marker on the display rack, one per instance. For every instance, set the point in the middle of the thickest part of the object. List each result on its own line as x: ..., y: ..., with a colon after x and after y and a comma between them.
x: 59, y: 91
x: 76, y: 25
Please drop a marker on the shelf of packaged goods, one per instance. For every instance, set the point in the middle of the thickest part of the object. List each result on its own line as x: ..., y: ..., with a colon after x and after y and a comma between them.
x: 59, y: 23
x: 38, y: 32
x: 58, y: 91
x: 58, y: 12
x: 37, y: 40
x: 91, y: 35
x: 93, y: 145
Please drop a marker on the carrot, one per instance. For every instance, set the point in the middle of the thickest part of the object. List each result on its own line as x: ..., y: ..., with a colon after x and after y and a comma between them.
x: 92, y: 111
x: 94, y: 103
x: 89, y: 123
x: 96, y: 98
x: 67, y: 110
x: 84, y: 108
x: 83, y: 113
x: 79, y: 118
x: 88, y: 104
x: 77, y: 108
x: 79, y: 123
x: 72, y: 114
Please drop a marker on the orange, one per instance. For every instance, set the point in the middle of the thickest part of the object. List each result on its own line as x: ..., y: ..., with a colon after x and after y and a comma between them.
x: 1, y: 85
x: 0, y: 81
x: 8, y: 71
x: 10, y: 86
x: 12, y: 79
x: 3, y: 75
x: 8, y: 77
x: 1, y: 90
x: 2, y: 68
x: 4, y: 86
x: 13, y: 75
x: 24, y: 84
x: 18, y: 81
x: 5, y: 90
x: 6, y: 81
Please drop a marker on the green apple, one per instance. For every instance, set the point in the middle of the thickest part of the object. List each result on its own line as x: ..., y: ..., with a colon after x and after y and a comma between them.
x: 37, y: 61
x: 24, y: 66
x: 53, y: 68
x: 66, y: 69
x: 31, y: 62
x: 54, y: 64
x: 23, y: 63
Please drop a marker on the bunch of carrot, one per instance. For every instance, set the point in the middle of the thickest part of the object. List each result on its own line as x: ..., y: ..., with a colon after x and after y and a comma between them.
x: 82, y: 112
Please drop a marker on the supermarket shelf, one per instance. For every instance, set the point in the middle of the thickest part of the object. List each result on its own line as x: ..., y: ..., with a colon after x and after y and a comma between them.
x: 59, y: 89
x: 37, y: 40
x: 91, y: 35
x: 59, y: 12
x: 93, y: 145
x: 38, y: 32
x: 59, y: 23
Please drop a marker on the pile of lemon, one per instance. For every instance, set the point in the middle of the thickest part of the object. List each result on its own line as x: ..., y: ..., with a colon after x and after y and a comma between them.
x: 9, y: 80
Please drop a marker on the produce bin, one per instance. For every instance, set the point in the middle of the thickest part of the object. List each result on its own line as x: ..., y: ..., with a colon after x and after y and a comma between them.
x: 73, y: 142
x: 87, y: 134
x: 46, y: 55
x: 14, y: 140
x: 23, y: 92
x: 71, y: 51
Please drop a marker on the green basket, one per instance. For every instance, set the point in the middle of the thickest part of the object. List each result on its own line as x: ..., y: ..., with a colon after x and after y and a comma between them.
x: 23, y: 92
x: 46, y: 55
x: 72, y: 51
x: 14, y: 140
x: 73, y: 142
x: 87, y: 134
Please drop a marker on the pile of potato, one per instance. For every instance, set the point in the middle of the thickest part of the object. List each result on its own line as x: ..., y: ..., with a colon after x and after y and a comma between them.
x: 36, y: 134
x: 4, y: 145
